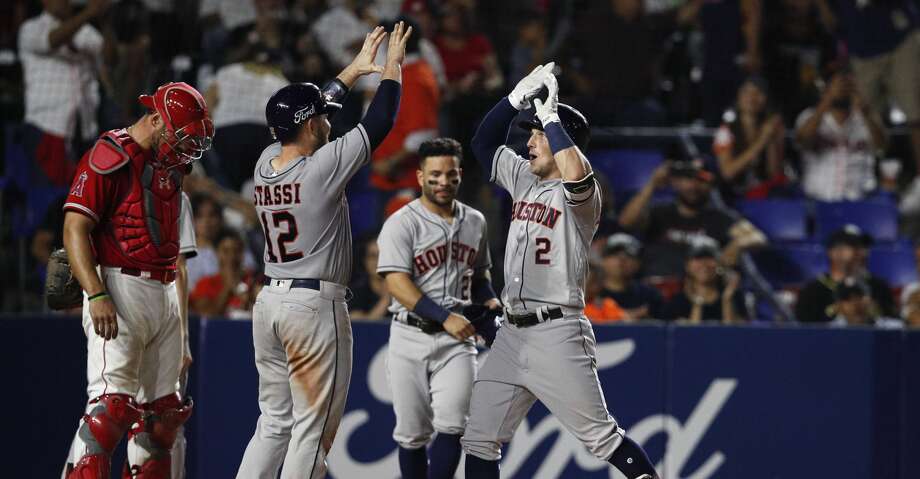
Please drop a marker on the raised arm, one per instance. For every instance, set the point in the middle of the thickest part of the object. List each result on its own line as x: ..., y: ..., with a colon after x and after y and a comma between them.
x: 66, y: 30
x: 493, y: 129
x: 381, y: 114
x: 770, y: 133
x: 569, y: 159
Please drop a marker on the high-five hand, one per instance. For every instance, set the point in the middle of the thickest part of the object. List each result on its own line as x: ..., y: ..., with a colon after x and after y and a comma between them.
x: 396, y: 48
x: 364, y: 60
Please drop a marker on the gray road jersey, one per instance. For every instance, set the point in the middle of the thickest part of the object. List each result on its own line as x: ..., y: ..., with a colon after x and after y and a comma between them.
x: 441, y: 257
x: 546, y: 255
x: 187, y: 243
x: 303, y: 209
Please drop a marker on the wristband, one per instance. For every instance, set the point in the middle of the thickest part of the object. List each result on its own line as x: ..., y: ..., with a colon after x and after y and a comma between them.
x: 428, y: 309
x: 335, y: 91
x: 482, y: 290
x: 558, y: 138
x: 98, y: 296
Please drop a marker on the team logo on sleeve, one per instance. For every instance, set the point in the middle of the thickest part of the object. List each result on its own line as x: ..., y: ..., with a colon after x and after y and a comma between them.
x: 77, y: 190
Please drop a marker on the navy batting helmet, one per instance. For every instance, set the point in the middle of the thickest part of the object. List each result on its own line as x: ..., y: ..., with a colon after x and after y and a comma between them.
x: 573, y: 122
x: 292, y: 106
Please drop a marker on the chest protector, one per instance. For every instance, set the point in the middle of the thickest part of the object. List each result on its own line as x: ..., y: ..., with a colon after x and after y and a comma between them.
x: 145, y: 221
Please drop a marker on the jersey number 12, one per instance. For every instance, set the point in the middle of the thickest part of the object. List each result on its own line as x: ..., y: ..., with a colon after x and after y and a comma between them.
x: 290, y: 234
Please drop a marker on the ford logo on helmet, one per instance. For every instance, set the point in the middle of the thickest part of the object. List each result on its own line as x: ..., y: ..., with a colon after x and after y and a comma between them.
x: 303, y: 114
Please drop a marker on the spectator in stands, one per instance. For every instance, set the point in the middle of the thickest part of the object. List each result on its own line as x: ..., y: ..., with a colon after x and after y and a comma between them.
x: 619, y: 267
x: 395, y: 161
x: 614, y: 60
x: 420, y: 13
x: 36, y: 263
x: 883, y: 40
x: 709, y: 293
x: 312, y: 65
x: 839, y: 139
x: 816, y: 302
x: 798, y: 43
x: 853, y: 306
x: 910, y: 296
x: 218, y: 20
x: 232, y: 290
x: 340, y: 31
x: 731, y: 50
x: 469, y: 59
x: 209, y: 222
x: 530, y: 49
x: 600, y: 309
x: 237, y: 99
x: 669, y: 228
x: 749, y: 144
x: 127, y: 38
x: 60, y: 53
x: 371, y: 298
x: 473, y: 83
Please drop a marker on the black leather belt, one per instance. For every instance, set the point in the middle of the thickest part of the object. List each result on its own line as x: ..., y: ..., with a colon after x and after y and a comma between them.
x: 532, y: 319
x: 296, y: 283
x: 425, y: 325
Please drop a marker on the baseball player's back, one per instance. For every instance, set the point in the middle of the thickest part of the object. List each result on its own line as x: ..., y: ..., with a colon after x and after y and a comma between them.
x: 301, y: 330
x: 304, y: 212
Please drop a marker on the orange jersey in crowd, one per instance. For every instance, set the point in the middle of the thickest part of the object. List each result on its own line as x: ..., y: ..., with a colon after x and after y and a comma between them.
x: 418, y: 111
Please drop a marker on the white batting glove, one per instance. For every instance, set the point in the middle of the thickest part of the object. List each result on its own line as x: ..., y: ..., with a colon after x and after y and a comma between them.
x: 547, y: 111
x: 529, y: 86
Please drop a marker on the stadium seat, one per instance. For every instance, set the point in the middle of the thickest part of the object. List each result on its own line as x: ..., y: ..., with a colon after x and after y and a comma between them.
x: 878, y: 218
x: 30, y: 202
x: 791, y: 265
x: 779, y: 219
x: 895, y: 264
x: 626, y: 170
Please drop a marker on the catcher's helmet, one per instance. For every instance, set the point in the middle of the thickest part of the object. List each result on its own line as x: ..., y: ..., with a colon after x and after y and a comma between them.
x: 292, y: 106
x: 189, y: 130
x: 573, y: 122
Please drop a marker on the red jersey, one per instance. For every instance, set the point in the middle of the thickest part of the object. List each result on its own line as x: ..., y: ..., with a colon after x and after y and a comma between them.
x: 468, y: 59
x: 110, y: 191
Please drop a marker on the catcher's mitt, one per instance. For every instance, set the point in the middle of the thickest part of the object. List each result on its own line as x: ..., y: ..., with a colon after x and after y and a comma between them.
x: 62, y: 290
x: 485, y: 321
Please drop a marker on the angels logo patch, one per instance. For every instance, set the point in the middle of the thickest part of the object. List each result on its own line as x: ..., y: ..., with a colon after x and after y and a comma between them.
x: 77, y: 190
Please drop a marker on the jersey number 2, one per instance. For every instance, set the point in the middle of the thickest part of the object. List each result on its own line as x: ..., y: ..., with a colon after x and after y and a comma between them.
x: 543, y: 246
x: 279, y: 217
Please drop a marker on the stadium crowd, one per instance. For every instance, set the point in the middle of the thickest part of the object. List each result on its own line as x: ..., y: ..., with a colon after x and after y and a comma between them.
x: 759, y: 158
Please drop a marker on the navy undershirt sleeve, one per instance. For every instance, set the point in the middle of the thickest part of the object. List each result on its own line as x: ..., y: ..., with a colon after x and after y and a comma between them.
x: 492, y: 132
x: 381, y: 114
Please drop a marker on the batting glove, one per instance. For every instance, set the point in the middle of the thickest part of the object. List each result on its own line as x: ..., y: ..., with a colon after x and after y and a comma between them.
x: 547, y: 111
x: 529, y: 86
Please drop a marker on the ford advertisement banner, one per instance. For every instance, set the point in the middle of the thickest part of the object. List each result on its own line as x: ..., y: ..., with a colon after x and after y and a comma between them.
x: 706, y: 402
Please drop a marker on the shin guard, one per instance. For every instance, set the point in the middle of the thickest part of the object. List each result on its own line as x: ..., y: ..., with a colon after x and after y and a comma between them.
x: 103, y: 426
x: 150, y: 443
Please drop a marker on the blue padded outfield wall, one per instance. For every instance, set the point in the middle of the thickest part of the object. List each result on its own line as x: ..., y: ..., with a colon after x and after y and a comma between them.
x: 707, y: 402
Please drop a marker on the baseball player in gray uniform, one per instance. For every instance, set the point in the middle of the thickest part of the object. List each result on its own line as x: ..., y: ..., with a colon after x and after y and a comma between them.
x: 546, y: 349
x: 187, y: 249
x: 434, y: 256
x: 301, y: 330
